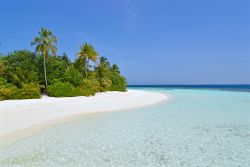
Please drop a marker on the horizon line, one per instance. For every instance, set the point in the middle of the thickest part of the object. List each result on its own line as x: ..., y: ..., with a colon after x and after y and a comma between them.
x: 187, y: 84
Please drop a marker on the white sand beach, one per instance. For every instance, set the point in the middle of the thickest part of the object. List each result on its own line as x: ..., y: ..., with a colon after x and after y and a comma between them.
x: 18, y: 115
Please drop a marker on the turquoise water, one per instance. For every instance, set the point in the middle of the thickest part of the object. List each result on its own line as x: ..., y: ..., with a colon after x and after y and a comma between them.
x: 196, y: 128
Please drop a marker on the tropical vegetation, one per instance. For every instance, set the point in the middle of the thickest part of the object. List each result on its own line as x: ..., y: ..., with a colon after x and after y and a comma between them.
x: 26, y: 74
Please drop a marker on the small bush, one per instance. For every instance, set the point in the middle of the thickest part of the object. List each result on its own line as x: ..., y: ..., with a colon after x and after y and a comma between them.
x: 73, y: 76
x: 88, y: 87
x: 105, y: 84
x: 6, y: 89
x: 80, y: 91
x: 20, y: 67
x: 91, y: 84
x: 61, y: 89
x: 3, y: 82
x: 118, y: 83
x: 7, y: 92
x: 28, y: 91
x: 10, y: 91
x: 2, y: 67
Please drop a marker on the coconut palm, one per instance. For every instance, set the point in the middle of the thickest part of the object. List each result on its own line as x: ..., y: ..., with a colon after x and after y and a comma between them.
x: 115, y: 69
x: 104, y: 60
x: 87, y: 53
x: 103, y: 68
x: 45, y: 46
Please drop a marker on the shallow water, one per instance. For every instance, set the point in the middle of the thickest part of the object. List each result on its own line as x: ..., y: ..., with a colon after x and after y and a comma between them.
x: 196, y: 128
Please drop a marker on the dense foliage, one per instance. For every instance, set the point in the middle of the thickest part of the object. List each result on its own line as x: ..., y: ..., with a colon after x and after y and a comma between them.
x: 20, y: 68
x: 24, y: 74
x: 10, y: 91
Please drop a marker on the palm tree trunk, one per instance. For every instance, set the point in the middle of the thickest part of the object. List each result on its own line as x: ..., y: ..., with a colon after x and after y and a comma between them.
x: 45, y: 75
x: 86, y: 73
x: 86, y: 68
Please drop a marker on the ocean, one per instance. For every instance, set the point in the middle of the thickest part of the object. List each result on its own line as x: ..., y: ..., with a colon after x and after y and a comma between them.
x: 242, y: 88
x: 201, y: 126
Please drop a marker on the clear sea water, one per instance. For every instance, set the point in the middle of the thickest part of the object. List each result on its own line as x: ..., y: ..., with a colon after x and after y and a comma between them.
x: 199, y: 127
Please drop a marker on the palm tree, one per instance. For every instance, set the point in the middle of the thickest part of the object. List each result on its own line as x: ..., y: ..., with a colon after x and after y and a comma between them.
x: 45, y: 46
x: 103, y: 60
x: 87, y: 53
x: 103, y: 68
x: 115, y: 69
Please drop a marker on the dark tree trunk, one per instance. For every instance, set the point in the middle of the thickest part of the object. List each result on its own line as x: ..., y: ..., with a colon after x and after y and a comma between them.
x: 45, y: 75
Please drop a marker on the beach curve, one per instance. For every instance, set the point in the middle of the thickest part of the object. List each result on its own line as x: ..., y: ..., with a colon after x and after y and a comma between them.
x: 18, y: 115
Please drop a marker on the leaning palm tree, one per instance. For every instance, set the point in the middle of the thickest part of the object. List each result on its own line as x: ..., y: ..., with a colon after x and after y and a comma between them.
x: 45, y: 46
x: 87, y: 53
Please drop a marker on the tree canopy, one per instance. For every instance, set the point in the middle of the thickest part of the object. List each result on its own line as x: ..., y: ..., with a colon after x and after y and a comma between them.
x: 25, y: 74
x: 45, y: 45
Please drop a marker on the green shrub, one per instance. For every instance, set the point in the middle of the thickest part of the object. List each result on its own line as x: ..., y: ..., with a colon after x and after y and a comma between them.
x: 3, y: 82
x: 73, y: 76
x: 118, y: 83
x: 10, y: 91
x: 20, y: 67
x: 28, y: 91
x: 88, y: 87
x: 61, y: 89
x: 2, y: 67
x: 91, y: 84
x: 31, y: 91
x: 6, y: 89
x: 105, y: 84
x: 7, y: 92
x: 80, y: 91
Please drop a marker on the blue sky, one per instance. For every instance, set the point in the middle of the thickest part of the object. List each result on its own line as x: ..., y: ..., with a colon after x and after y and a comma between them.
x: 153, y: 42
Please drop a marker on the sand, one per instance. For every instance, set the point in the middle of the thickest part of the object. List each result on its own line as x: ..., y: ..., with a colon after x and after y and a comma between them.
x: 18, y: 115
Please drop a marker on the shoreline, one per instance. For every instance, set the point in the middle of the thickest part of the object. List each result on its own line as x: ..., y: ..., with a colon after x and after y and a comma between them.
x: 24, y: 117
